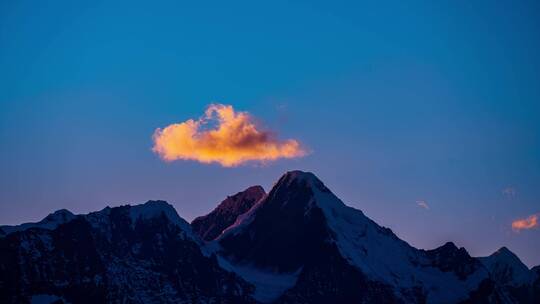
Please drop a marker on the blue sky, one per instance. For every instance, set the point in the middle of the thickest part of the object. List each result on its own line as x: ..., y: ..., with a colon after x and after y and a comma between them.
x: 397, y: 102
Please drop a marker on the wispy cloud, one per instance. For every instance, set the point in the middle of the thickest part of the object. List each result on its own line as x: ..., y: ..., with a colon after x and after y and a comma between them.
x: 509, y: 192
x: 422, y: 204
x: 223, y: 136
x: 529, y: 222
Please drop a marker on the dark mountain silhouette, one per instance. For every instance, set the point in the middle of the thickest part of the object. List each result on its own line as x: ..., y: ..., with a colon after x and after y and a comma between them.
x: 297, y: 244
x: 128, y: 254
x: 210, y: 226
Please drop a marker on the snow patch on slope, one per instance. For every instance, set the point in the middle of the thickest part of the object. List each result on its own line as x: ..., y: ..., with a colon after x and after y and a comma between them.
x: 154, y: 209
x: 242, y: 220
x: 46, y: 299
x: 100, y: 219
x: 50, y: 222
x: 268, y: 285
x: 381, y: 255
x: 506, y: 268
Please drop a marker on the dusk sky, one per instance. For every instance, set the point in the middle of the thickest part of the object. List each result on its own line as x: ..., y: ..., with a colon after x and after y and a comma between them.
x: 425, y: 115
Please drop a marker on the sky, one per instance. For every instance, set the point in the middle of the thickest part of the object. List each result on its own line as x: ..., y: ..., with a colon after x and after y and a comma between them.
x: 425, y: 115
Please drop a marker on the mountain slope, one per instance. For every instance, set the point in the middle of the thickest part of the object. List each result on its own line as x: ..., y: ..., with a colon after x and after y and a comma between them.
x: 210, y: 226
x: 50, y: 222
x: 506, y: 268
x: 511, y: 277
x: 297, y: 244
x: 316, y: 229
x: 280, y: 237
x: 139, y: 254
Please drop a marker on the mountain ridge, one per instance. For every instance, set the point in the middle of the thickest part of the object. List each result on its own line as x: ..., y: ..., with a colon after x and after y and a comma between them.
x: 210, y: 226
x: 298, y: 243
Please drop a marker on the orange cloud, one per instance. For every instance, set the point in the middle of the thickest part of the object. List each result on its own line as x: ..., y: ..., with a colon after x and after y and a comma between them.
x: 529, y: 222
x: 222, y: 136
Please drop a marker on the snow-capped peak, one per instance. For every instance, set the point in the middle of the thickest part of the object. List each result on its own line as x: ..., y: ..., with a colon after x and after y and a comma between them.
x: 50, y: 222
x: 506, y: 268
x: 298, y: 175
x: 299, y: 201
x: 302, y: 177
x: 448, y: 246
x: 504, y: 254
x: 153, y: 209
x: 148, y: 210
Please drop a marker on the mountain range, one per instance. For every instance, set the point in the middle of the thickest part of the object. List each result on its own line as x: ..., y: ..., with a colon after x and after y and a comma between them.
x: 299, y: 243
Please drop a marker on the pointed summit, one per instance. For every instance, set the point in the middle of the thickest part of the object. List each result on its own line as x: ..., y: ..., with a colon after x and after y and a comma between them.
x: 210, y: 226
x: 449, y: 246
x: 506, y: 268
x: 285, y: 227
x: 450, y: 258
x: 297, y: 177
x: 505, y: 252
x: 304, y: 190
x: 301, y: 226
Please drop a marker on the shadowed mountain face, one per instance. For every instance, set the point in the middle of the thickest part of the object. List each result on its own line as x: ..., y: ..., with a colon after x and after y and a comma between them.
x: 512, y: 277
x: 283, y: 233
x: 506, y: 268
x: 336, y: 253
x: 297, y: 244
x: 451, y: 258
x: 139, y: 254
x: 210, y: 226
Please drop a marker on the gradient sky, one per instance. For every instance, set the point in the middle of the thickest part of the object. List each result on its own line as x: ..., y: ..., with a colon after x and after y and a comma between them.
x: 428, y: 101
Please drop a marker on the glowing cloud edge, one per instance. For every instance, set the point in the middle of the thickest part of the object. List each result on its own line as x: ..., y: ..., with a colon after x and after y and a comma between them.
x: 235, y: 139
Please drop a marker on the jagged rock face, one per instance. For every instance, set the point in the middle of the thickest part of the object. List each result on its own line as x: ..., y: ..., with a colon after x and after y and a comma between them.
x: 506, y: 268
x: 450, y: 258
x: 50, y: 222
x: 51, y: 262
x: 210, y: 226
x: 289, y: 233
x: 112, y: 257
x: 338, y: 254
x: 512, y: 280
x: 329, y: 278
x: 284, y: 233
x: 536, y: 270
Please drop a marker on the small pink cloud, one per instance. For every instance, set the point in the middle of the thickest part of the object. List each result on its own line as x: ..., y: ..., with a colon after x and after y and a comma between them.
x: 422, y: 204
x: 527, y: 223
